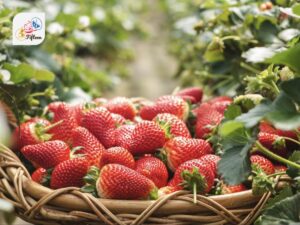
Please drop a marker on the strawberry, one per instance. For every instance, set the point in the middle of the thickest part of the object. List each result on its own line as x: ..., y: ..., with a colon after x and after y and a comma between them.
x: 63, y: 112
x: 221, y: 106
x: 91, y: 147
x: 31, y: 132
x: 154, y: 169
x: 207, y: 120
x: 212, y: 160
x: 194, y: 175
x: 219, y: 99
x: 120, y: 182
x: 146, y: 138
x: 166, y: 104
x: 179, y: 150
x: 123, y: 135
x: 167, y: 190
x: 69, y: 173
x: 117, y: 155
x: 41, y: 176
x: 101, y: 124
x: 176, y: 126
x: 118, y: 119
x: 78, y: 111
x: 280, y: 168
x: 122, y: 106
x: 273, y: 142
x: 189, y: 99
x: 228, y: 189
x: 100, y: 101
x: 265, y: 164
x: 194, y: 92
x: 47, y: 154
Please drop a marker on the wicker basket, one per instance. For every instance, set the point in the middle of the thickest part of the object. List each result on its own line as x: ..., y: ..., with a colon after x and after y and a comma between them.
x: 40, y: 205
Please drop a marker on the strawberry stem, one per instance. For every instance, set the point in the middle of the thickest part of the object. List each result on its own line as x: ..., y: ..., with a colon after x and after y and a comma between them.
x: 292, y: 140
x: 276, y: 174
x: 46, y: 129
x: 272, y: 155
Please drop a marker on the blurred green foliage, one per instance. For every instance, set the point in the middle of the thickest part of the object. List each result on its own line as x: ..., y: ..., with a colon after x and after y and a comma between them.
x: 219, y: 43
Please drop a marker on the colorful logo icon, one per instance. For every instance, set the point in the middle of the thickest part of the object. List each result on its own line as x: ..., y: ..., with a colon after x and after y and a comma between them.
x: 28, y: 28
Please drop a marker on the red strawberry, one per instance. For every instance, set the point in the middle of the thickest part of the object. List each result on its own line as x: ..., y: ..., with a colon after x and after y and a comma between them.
x: 228, y: 189
x: 117, y: 155
x: 221, y: 106
x: 78, y: 112
x: 207, y: 119
x: 40, y: 175
x: 123, y: 135
x: 273, y: 142
x: 101, y: 124
x: 63, y: 112
x: 47, y: 154
x: 120, y: 182
x: 280, y: 168
x: 146, y: 138
x: 167, y: 190
x: 91, y: 147
x: 118, y: 119
x: 212, y: 160
x: 31, y: 132
x: 166, y: 104
x: 177, y: 127
x: 154, y: 169
x: 265, y: 164
x: 179, y: 150
x: 219, y: 99
x: 194, y: 174
x: 69, y: 173
x: 194, y: 92
x: 265, y: 127
x: 122, y: 106
x: 189, y: 99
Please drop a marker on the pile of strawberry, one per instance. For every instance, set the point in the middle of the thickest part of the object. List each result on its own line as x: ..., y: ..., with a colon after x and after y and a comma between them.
x: 134, y: 148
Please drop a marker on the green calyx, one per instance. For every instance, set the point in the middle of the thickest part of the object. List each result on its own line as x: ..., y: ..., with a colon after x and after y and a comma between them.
x: 153, y: 195
x: 166, y: 127
x: 41, y: 131
x: 90, y: 180
x: 279, y: 143
x: 194, y: 181
x: 261, y: 183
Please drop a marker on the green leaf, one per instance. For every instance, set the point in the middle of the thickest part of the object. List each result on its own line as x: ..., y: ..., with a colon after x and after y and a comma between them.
x: 232, y: 112
x: 296, y: 9
x: 285, y: 212
x: 288, y: 57
x: 234, y: 166
x: 43, y: 75
x: 251, y: 118
x: 291, y: 88
x: 214, y: 51
x: 291, y: 171
x: 284, y: 193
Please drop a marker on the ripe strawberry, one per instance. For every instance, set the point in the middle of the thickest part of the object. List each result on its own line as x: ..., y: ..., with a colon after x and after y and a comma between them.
x: 265, y: 127
x: 194, y: 174
x: 212, y: 160
x: 120, y: 182
x: 219, y: 99
x: 101, y: 124
x: 280, y: 168
x: 123, y: 135
x: 63, y: 112
x: 41, y: 176
x: 118, y: 119
x: 154, y: 169
x: 31, y: 132
x: 207, y: 120
x: 122, y: 106
x: 168, y: 190
x: 228, y: 189
x: 221, y: 106
x: 166, y: 104
x: 194, y: 92
x: 47, y: 154
x: 189, y: 99
x: 69, y: 173
x: 265, y: 164
x: 78, y: 111
x: 273, y: 142
x: 117, y: 155
x: 179, y: 150
x: 176, y: 126
x: 91, y: 147
x: 146, y: 138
